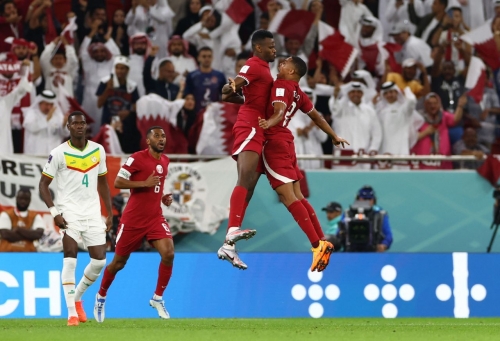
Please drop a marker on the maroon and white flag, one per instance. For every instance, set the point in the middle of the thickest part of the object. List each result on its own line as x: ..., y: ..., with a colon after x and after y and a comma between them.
x: 335, y: 50
x: 476, y: 78
x: 239, y: 10
x: 490, y: 169
x: 69, y: 30
x: 68, y: 103
x: 291, y: 23
x: 215, y: 130
x: 483, y: 41
x: 109, y: 140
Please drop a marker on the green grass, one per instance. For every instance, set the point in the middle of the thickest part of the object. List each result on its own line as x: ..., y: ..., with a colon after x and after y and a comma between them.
x: 404, y: 329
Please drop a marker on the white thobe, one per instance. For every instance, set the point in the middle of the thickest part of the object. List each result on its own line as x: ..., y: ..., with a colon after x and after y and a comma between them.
x: 396, y: 119
x: 7, y: 103
x: 40, y: 135
x: 135, y: 72
x: 349, y: 19
x: 310, y: 145
x: 417, y: 49
x: 358, y: 124
x: 93, y: 72
x: 63, y: 76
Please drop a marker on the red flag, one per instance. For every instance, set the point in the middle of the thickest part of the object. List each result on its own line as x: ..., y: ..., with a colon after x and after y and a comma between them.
x: 335, y: 50
x: 293, y: 24
x: 239, y: 10
x: 369, y: 54
x: 392, y: 48
x: 263, y: 5
x: 68, y: 104
x: 490, y: 169
x: 483, y: 41
x: 109, y: 140
x: 476, y: 78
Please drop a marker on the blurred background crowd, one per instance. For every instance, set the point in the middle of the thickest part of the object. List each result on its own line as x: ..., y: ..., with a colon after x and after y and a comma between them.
x: 394, y: 77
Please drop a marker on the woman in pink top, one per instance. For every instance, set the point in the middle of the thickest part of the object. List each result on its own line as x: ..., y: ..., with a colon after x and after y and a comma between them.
x: 433, y: 135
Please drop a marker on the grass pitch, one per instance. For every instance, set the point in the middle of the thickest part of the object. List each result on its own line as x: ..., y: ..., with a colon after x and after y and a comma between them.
x: 253, y: 329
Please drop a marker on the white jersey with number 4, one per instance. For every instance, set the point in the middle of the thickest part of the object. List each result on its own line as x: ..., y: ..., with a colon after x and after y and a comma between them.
x: 76, y: 173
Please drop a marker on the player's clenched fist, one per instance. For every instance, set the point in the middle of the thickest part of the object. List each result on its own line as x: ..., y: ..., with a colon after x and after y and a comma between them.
x: 167, y: 199
x: 60, y: 222
x: 152, y: 180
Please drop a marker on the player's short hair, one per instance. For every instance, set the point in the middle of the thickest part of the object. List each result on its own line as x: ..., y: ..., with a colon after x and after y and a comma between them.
x: 299, y: 65
x: 205, y: 48
x: 150, y: 130
x: 76, y: 113
x: 259, y: 36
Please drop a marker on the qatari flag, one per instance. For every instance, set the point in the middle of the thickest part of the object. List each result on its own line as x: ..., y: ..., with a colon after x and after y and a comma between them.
x: 239, y: 10
x: 335, y: 50
x: 293, y: 24
x: 483, y: 42
x: 476, y: 77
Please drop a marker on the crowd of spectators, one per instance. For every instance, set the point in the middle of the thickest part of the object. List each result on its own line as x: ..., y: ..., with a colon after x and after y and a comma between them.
x: 405, y: 92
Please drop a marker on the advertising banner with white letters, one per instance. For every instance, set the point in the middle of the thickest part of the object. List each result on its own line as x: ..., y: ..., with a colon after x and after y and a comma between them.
x: 200, y: 190
x: 388, y: 285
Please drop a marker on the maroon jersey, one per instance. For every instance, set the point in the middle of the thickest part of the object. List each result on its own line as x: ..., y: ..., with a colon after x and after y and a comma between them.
x: 144, y: 205
x: 256, y: 92
x: 289, y: 93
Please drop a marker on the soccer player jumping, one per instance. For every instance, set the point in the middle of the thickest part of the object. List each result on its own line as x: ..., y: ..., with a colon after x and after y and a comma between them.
x: 144, y: 174
x: 79, y: 167
x: 256, y: 81
x: 279, y: 157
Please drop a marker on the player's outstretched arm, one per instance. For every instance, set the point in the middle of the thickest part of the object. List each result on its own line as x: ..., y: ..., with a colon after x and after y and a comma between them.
x: 103, y: 189
x: 123, y: 183
x: 43, y: 187
x: 323, y: 125
x: 279, y: 111
x: 230, y: 90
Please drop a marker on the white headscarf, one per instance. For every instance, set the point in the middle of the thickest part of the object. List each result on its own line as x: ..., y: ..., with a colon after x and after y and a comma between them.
x: 378, y: 34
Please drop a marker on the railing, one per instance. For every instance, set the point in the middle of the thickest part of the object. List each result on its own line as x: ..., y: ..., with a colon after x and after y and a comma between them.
x: 356, y: 158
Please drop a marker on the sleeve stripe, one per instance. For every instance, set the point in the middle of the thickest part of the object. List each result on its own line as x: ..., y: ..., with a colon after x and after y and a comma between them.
x: 101, y: 174
x: 248, y: 82
x: 277, y: 101
x: 310, y: 111
x: 47, y: 175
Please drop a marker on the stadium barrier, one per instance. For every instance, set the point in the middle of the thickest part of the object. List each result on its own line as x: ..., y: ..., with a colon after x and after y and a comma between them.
x: 276, y: 285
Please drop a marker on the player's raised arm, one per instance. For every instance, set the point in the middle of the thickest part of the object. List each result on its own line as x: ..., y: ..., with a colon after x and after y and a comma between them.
x: 323, y: 125
x: 279, y: 111
x: 123, y: 181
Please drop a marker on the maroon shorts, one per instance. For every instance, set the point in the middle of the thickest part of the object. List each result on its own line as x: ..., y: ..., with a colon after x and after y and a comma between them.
x: 280, y: 162
x: 129, y: 238
x: 247, y: 138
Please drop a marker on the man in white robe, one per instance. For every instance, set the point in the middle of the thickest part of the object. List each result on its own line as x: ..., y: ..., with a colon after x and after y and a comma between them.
x: 44, y: 125
x: 397, y: 115
x: 356, y: 121
x: 97, y: 63
x: 59, y: 65
x: 7, y: 103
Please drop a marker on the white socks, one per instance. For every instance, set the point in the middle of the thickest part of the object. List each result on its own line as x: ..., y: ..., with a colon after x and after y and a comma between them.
x: 232, y: 229
x: 156, y: 297
x: 227, y: 246
x: 90, y: 274
x: 68, y: 283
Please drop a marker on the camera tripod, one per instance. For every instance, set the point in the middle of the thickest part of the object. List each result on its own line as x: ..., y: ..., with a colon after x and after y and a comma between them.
x: 495, y: 224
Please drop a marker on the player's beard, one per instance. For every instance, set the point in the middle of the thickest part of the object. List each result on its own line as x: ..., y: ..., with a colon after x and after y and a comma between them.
x: 156, y: 149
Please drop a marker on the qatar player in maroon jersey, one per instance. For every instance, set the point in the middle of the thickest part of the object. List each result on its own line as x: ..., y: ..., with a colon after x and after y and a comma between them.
x: 144, y: 174
x: 279, y: 157
x: 255, y: 81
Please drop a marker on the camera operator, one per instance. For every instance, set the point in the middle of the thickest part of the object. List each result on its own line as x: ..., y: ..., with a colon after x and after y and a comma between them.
x: 365, y: 227
x: 334, y: 215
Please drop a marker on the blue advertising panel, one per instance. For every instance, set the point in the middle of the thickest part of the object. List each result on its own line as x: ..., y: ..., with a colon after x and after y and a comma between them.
x: 275, y: 285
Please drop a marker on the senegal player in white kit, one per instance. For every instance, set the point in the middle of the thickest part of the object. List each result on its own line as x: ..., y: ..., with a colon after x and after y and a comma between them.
x: 79, y: 167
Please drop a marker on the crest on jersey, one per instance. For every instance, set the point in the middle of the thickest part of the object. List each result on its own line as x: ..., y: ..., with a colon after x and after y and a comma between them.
x: 159, y: 169
x: 93, y: 159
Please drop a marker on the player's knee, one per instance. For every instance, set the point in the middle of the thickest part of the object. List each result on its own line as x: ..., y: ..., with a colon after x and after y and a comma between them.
x: 97, y: 265
x: 167, y: 257
x: 117, y: 265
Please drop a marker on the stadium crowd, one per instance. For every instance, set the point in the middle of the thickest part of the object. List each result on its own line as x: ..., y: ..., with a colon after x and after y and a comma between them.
x: 389, y: 75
